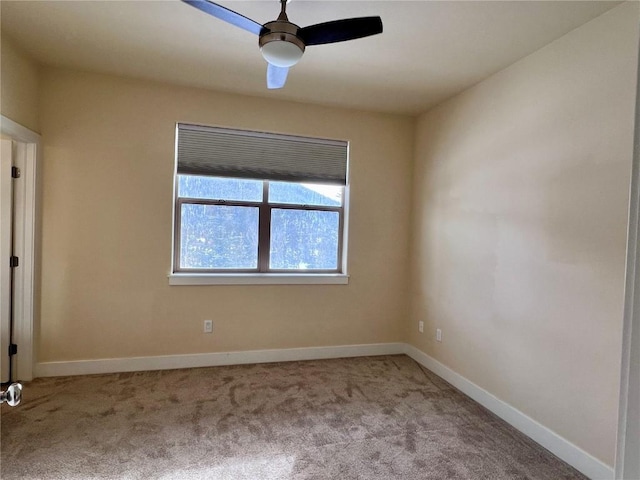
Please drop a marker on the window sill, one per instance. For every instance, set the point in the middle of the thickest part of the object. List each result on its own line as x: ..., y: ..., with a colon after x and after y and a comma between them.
x: 258, y: 279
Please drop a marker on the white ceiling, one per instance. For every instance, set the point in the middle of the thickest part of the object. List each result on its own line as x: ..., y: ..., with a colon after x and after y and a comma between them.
x: 429, y: 51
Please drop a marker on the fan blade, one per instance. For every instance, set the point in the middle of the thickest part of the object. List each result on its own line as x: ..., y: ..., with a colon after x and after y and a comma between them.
x: 340, y: 30
x: 227, y: 15
x: 276, y: 76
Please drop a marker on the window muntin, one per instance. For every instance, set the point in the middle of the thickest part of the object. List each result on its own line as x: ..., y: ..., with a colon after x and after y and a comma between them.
x: 232, y: 235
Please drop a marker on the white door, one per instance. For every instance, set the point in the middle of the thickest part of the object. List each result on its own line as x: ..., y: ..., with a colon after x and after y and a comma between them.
x: 6, y: 236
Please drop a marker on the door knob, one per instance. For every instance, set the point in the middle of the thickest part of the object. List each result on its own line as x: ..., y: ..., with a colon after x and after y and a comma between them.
x: 12, y: 395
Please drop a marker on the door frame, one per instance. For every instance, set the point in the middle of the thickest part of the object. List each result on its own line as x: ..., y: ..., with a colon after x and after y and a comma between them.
x: 6, y: 227
x: 28, y: 153
x: 628, y: 448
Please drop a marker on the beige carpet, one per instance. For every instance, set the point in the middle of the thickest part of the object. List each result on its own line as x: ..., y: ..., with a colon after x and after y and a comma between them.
x: 361, y: 418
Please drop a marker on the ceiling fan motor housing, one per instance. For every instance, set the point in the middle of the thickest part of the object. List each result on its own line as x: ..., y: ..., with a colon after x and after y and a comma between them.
x: 280, y: 44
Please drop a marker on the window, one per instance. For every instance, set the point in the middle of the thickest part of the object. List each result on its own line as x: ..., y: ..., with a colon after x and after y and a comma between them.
x: 257, y: 204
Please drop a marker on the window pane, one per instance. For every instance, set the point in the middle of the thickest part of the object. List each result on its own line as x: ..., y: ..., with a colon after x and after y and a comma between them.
x: 304, y: 239
x: 219, y: 188
x: 305, y: 194
x: 217, y: 236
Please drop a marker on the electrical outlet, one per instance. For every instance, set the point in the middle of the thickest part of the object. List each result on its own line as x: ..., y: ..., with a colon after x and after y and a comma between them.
x: 438, y: 335
x: 208, y: 326
x: 421, y: 326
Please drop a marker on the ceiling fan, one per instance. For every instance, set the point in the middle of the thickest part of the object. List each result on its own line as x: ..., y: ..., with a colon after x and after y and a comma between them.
x: 282, y: 43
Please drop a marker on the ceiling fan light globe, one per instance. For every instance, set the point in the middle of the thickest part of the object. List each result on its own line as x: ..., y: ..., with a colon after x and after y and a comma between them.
x: 281, y: 53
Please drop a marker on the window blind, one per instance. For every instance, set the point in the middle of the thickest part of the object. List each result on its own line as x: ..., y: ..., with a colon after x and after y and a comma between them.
x: 226, y: 152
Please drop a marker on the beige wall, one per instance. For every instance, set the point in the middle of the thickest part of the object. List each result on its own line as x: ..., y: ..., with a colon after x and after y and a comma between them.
x: 107, y: 226
x: 520, y: 197
x: 19, y: 85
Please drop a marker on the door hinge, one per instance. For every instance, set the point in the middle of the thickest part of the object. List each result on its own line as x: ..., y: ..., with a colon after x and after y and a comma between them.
x: 15, y: 172
x: 13, y: 349
x: 14, y: 261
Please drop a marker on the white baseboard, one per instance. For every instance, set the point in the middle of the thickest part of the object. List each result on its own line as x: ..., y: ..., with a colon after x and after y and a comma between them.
x: 560, y: 447
x: 168, y: 362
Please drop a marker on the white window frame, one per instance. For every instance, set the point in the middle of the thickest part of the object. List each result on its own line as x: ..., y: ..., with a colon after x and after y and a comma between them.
x: 263, y: 275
